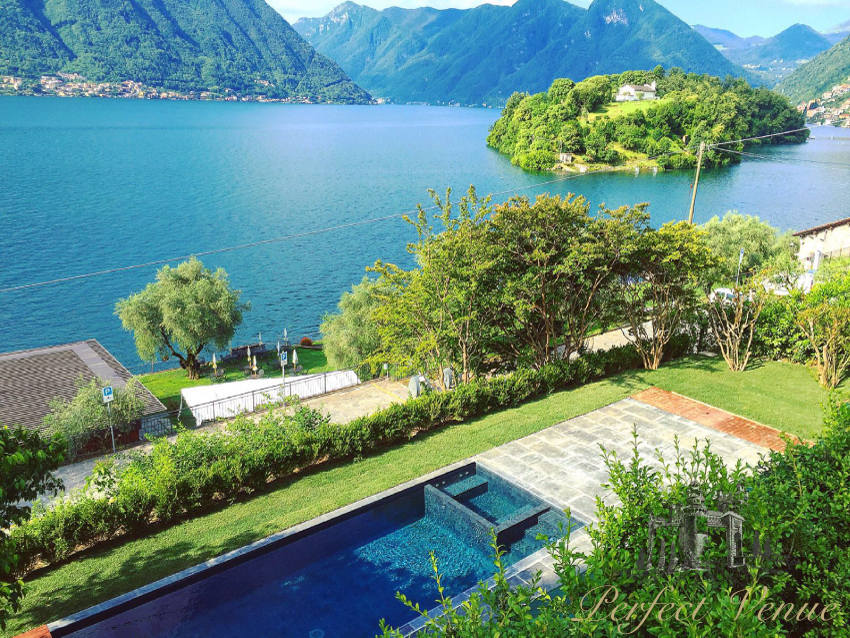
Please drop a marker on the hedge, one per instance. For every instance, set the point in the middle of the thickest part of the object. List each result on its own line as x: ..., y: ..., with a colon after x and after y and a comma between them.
x: 198, y: 470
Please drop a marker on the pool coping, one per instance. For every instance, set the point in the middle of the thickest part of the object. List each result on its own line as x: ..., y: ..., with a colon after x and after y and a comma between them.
x: 92, y: 615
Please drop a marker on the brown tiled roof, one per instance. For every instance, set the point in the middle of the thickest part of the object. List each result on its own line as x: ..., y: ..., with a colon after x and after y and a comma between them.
x: 31, y: 379
x: 822, y: 227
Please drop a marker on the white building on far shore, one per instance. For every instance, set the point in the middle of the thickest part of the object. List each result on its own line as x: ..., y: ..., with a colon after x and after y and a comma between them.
x: 637, y: 92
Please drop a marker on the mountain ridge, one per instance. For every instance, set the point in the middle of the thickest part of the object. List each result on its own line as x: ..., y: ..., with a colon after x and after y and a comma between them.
x: 484, y: 54
x: 820, y: 74
x: 241, y: 45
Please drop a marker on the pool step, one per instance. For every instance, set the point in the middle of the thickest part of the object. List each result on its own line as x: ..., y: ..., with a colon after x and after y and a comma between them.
x: 513, y: 530
x: 468, y: 488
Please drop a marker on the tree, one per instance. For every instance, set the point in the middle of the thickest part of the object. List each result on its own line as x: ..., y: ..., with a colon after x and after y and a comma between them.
x: 432, y: 317
x: 555, y: 264
x: 27, y: 463
x: 560, y: 89
x: 825, y: 319
x: 87, y: 414
x: 763, y: 245
x: 660, y: 281
x: 187, y: 308
x: 733, y: 322
x: 350, y: 336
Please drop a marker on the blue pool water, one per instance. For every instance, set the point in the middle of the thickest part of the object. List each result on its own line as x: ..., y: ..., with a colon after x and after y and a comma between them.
x: 342, y: 580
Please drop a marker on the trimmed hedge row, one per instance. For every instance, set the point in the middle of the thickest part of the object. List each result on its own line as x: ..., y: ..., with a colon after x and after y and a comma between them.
x: 198, y: 470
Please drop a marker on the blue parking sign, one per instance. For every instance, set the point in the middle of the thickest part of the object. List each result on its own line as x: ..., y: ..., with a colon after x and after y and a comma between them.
x: 108, y: 395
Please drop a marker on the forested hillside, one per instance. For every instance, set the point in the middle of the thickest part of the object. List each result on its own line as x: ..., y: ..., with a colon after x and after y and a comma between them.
x: 243, y: 45
x: 582, y: 119
x: 484, y: 54
x: 816, y: 76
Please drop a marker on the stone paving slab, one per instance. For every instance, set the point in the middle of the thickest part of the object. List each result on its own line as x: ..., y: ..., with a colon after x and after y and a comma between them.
x: 707, y: 415
x: 564, y: 464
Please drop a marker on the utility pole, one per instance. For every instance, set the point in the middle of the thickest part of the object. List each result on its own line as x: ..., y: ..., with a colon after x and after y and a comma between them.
x: 696, y: 182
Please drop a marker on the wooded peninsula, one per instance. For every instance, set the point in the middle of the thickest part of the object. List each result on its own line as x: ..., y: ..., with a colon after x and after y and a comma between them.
x: 642, y: 120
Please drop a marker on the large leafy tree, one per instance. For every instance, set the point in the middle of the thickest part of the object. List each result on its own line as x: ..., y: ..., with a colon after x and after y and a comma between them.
x: 186, y: 309
x: 27, y: 463
x: 763, y: 245
x: 662, y: 275
x: 86, y: 412
x: 434, y: 316
x: 556, y: 262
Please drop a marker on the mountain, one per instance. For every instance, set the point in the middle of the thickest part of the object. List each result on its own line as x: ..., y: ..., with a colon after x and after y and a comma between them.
x: 820, y: 74
x: 770, y: 59
x: 778, y: 56
x: 242, y: 45
x: 484, y: 54
x: 722, y: 39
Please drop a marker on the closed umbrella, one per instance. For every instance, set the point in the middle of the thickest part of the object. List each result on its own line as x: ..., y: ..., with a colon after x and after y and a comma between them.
x: 249, y: 355
x: 215, y: 364
x: 294, y: 357
x: 255, y: 364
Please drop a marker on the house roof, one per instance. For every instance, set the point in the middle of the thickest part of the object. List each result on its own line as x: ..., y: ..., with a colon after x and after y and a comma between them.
x: 639, y: 87
x: 822, y: 227
x: 31, y: 379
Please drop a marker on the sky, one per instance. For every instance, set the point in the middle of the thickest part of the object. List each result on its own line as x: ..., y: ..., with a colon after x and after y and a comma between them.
x: 744, y: 17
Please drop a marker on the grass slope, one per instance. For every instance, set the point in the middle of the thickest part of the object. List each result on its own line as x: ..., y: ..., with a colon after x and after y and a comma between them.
x: 781, y: 395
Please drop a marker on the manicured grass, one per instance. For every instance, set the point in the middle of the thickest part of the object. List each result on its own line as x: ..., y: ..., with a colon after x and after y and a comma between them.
x: 166, y: 385
x: 779, y: 395
x: 782, y: 395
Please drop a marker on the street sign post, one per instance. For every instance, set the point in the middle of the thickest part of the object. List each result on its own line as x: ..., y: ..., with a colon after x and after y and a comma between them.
x: 108, y: 397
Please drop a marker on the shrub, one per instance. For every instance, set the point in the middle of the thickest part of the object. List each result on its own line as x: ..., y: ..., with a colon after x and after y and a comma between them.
x: 306, y: 341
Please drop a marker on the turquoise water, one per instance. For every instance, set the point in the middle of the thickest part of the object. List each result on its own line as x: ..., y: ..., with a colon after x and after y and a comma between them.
x: 93, y: 184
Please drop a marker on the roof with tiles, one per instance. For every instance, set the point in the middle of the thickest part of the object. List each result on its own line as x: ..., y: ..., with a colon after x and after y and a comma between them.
x: 31, y: 379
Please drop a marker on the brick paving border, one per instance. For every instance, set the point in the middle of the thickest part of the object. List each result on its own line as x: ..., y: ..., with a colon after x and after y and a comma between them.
x: 712, y: 417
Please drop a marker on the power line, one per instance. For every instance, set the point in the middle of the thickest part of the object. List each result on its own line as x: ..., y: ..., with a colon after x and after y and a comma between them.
x: 760, y: 137
x: 274, y: 240
x: 801, y: 161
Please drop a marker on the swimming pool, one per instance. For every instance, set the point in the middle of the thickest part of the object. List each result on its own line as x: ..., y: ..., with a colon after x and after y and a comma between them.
x: 339, y: 577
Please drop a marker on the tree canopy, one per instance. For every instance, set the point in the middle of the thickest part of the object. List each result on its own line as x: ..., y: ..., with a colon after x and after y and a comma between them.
x: 185, y: 310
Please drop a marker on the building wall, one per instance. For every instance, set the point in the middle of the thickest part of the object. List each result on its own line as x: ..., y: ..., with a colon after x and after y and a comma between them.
x: 833, y: 242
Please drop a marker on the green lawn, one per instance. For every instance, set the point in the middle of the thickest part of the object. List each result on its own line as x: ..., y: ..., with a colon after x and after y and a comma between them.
x: 618, y: 109
x: 166, y: 385
x: 780, y: 395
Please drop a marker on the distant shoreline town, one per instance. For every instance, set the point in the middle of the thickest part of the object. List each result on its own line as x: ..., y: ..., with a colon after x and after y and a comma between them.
x: 831, y: 109
x: 76, y: 85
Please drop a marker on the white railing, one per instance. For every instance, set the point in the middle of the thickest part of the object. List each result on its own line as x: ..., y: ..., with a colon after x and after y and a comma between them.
x: 306, y: 387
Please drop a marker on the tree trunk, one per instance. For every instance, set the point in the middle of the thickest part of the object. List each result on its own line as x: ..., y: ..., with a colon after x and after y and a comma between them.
x: 192, y: 366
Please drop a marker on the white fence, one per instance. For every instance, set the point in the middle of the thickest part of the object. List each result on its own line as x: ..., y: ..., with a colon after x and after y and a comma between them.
x: 203, y: 409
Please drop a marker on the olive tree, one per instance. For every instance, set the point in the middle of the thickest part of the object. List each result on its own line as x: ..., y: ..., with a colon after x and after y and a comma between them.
x: 86, y: 413
x: 186, y: 309
x: 350, y: 336
x: 27, y: 463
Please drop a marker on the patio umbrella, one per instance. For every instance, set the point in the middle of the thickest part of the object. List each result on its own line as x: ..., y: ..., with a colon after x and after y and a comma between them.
x: 284, y: 334
x: 249, y: 355
x: 215, y: 364
x: 255, y: 364
x: 294, y: 357
x: 278, y: 348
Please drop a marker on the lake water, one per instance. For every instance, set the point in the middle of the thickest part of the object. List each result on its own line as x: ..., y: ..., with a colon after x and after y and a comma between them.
x: 90, y: 185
